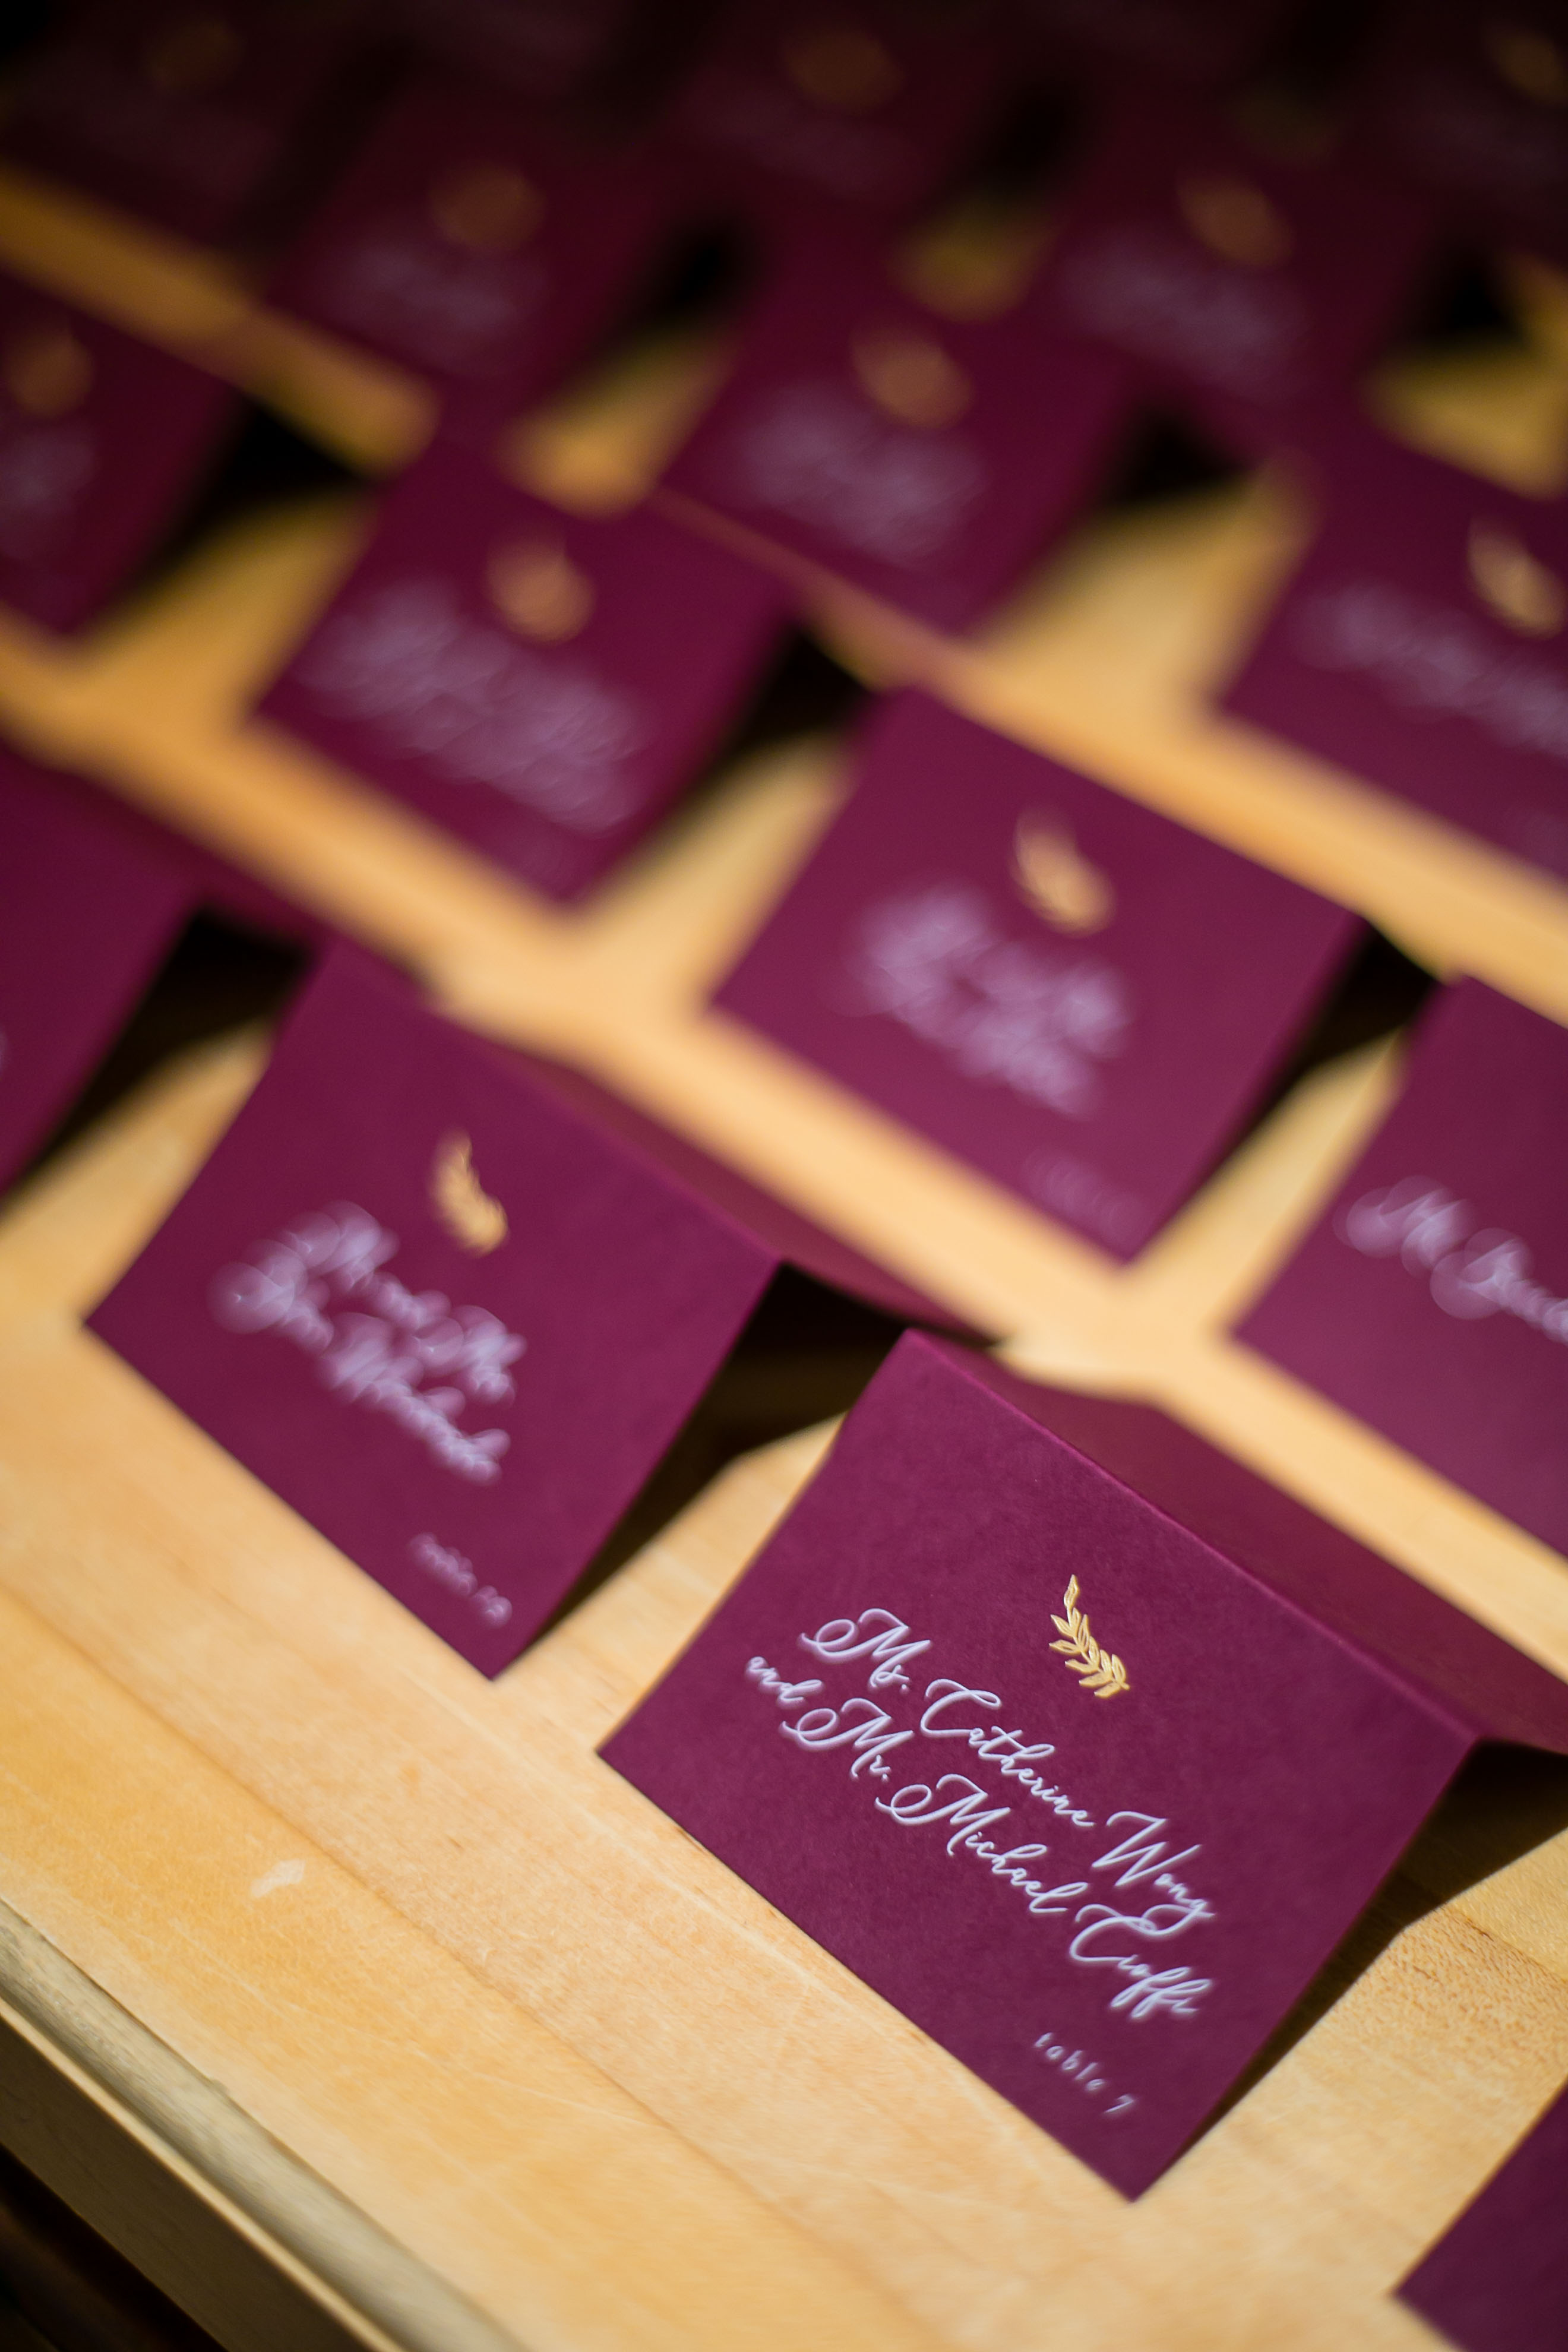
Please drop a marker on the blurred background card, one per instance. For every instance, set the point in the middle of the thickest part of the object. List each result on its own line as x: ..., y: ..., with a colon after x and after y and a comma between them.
x: 1431, y: 1298
x: 482, y: 242
x: 1497, y: 2280
x: 1222, y: 265
x: 1422, y: 643
x: 926, y: 461
x: 1057, y: 985
x: 102, y: 438
x: 543, y: 684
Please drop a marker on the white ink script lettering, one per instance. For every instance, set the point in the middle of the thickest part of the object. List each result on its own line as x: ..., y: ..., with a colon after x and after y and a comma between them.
x: 379, y: 1351
x: 1436, y: 662
x: 967, y: 1814
x: 820, y: 453
x: 442, y: 685
x: 939, y: 963
x: 1471, y: 1273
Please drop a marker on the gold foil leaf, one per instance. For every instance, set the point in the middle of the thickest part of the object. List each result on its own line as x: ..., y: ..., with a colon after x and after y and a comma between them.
x: 1099, y: 1671
x: 488, y: 207
x: 843, y: 67
x: 1532, y: 62
x: 1514, y: 584
x: 540, y: 590
x: 1052, y: 876
x: 475, y: 1221
x: 47, y: 371
x: 910, y: 376
x: 1235, y: 220
x: 192, y: 55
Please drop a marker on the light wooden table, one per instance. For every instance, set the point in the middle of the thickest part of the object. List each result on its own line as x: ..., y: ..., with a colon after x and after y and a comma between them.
x: 350, y: 1994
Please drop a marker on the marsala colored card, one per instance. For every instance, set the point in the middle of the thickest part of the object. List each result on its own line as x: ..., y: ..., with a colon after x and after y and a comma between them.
x: 101, y: 438
x: 476, y: 241
x: 92, y: 906
x: 542, y: 684
x: 451, y: 1306
x: 1421, y: 641
x: 1207, y: 43
x: 185, y: 117
x: 868, y: 108
x: 1071, y: 993
x: 927, y: 462
x: 1472, y: 104
x: 1431, y: 1298
x: 1499, y: 2281
x: 1073, y: 1740
x: 1225, y: 270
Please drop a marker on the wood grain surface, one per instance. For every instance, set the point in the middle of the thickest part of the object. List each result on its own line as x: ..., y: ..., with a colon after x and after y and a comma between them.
x: 373, y: 1959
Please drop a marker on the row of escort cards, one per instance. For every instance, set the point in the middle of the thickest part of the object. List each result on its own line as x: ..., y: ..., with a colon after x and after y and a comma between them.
x: 547, y: 683
x: 454, y: 1304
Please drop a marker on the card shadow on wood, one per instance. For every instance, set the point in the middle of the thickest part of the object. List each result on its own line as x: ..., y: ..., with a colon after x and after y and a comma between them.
x: 1502, y: 1804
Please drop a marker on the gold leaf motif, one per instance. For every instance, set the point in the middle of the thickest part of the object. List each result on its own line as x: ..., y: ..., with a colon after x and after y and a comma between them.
x: 47, y: 371
x: 1512, y: 583
x: 1099, y: 1671
x: 910, y: 377
x: 475, y: 1221
x: 1051, y: 875
x: 1531, y: 61
x: 844, y: 67
x: 539, y: 590
x: 487, y: 207
x: 1235, y: 220
x: 193, y: 55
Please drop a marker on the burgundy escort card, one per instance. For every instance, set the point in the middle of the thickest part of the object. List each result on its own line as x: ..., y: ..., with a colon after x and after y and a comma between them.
x: 542, y: 684
x: 452, y: 1306
x: 1070, y: 1737
x: 1499, y: 2281
x: 1432, y: 1296
x: 1473, y: 105
x: 869, y: 107
x: 100, y: 437
x: 474, y: 241
x: 1225, y: 270
x: 92, y: 903
x: 928, y: 463
x: 1423, y: 642
x: 95, y: 897
x: 1071, y: 993
x: 181, y: 115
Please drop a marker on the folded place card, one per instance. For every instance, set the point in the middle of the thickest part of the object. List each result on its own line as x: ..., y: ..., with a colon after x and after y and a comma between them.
x: 184, y: 116
x: 1474, y: 106
x: 1431, y: 1298
x: 100, y: 438
x: 542, y: 684
x: 869, y: 106
x: 928, y: 463
x: 92, y: 904
x: 1423, y: 642
x: 1499, y: 2281
x: 452, y: 1306
x: 1070, y: 1737
x: 1222, y: 268
x: 475, y: 241
x: 1074, y: 994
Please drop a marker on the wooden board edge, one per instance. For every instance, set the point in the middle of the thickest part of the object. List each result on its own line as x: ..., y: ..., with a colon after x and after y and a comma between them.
x: 161, y: 2162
